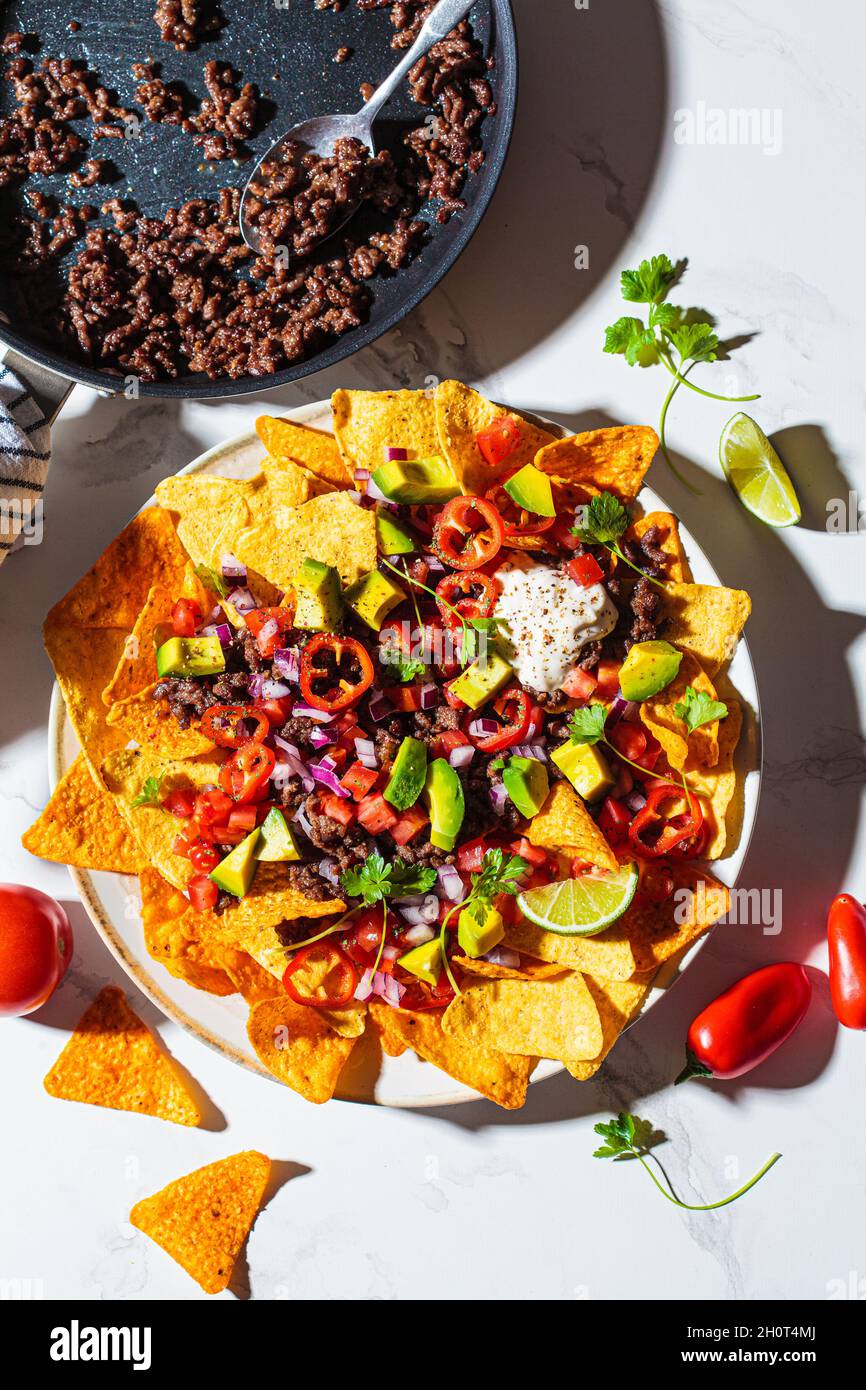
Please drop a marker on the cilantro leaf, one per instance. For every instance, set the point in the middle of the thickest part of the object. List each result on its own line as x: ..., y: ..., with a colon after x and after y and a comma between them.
x: 630, y: 338
x: 473, y: 631
x: 587, y: 725
x: 212, y: 580
x: 698, y: 708
x: 695, y: 342
x: 604, y: 520
x: 499, y: 873
x: 374, y: 880
x: 400, y: 668
x: 618, y: 1136
x: 650, y: 282
x: 151, y: 791
x: 411, y: 878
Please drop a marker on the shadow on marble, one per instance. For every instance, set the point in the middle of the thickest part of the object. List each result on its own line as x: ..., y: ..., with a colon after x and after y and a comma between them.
x: 282, y: 1171
x: 816, y: 472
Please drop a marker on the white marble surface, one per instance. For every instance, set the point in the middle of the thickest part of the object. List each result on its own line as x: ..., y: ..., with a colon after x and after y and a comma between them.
x: 472, y: 1202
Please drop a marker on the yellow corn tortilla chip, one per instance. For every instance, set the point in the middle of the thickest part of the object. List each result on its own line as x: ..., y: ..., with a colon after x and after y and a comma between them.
x: 366, y: 423
x: 203, y: 1219
x: 137, y: 666
x: 250, y: 979
x: 706, y: 619
x: 617, y: 1002
x: 461, y: 414
x: 496, y: 1075
x: 331, y: 528
x: 719, y: 784
x: 610, y: 460
x: 658, y: 714
x: 527, y: 970
x: 554, y: 1018
x: 677, y: 567
x: 208, y: 511
x: 112, y: 1059
x: 170, y: 938
x: 316, y: 451
x: 84, y: 660
x: 114, y: 591
x: 564, y: 824
x: 148, y: 722
x: 82, y: 826
x: 298, y: 1047
x: 608, y: 955
x: 658, y: 931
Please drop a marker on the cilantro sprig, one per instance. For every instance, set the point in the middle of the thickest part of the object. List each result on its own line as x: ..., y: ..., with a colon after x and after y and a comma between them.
x: 698, y: 708
x: 151, y: 791
x: 629, y: 1137
x: 605, y: 520
x: 588, y: 725
x: 499, y: 873
x: 677, y: 338
x: 374, y: 881
x: 399, y: 668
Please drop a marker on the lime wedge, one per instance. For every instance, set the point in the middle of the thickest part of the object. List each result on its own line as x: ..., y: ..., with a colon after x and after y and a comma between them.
x: 580, y: 906
x: 756, y: 473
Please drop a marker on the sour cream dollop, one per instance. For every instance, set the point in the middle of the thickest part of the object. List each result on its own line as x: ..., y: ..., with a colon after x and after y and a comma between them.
x: 548, y: 619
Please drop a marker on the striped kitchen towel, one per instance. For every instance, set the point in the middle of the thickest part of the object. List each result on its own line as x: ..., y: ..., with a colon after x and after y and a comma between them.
x: 25, y: 452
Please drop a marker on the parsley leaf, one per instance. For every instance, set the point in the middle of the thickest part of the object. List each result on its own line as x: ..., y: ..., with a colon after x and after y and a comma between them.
x: 212, y: 580
x: 474, y: 630
x: 400, y: 668
x: 587, y: 725
x: 630, y: 338
x: 695, y: 342
x: 604, y: 520
x: 618, y: 1136
x: 500, y: 873
x: 650, y: 282
x: 374, y: 880
x: 697, y: 708
x: 151, y: 792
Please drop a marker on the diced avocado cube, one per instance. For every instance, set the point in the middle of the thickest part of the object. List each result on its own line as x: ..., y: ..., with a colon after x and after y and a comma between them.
x: 477, y: 938
x: 373, y: 597
x: 585, y: 767
x: 276, y: 842
x: 425, y: 961
x: 527, y: 784
x: 480, y: 681
x: 417, y: 481
x: 648, y: 668
x: 531, y: 490
x: 190, y: 656
x: 237, y: 871
x: 443, y: 793
x: 408, y: 774
x: 392, y: 537
x: 318, y: 596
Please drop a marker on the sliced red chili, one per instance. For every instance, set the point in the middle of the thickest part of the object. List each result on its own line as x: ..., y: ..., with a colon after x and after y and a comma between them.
x: 514, y: 708
x: 231, y: 726
x: 335, y: 671
x: 469, y: 533
x: 245, y: 776
x: 499, y: 440
x: 652, y: 834
x: 519, y: 523
x: 321, y: 976
x: 471, y: 593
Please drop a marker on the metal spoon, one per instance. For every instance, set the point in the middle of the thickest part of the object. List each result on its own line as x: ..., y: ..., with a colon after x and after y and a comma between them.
x: 320, y: 134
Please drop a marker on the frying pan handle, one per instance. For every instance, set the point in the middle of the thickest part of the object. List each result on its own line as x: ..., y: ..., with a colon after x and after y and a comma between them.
x: 48, y: 389
x: 441, y: 20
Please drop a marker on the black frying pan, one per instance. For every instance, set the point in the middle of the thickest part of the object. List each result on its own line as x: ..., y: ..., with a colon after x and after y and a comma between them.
x: 287, y: 49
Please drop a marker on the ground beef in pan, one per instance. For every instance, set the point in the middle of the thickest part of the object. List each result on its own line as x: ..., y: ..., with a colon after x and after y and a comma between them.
x: 185, y: 23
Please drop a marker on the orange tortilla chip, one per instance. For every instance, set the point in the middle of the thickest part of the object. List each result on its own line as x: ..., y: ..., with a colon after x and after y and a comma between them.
x: 84, y: 661
x: 611, y: 460
x: 526, y: 970
x: 170, y: 938
x: 330, y: 528
x: 208, y: 511
x: 150, y: 724
x: 203, y: 1219
x: 461, y: 414
x: 658, y: 714
x: 608, y: 955
x: 250, y: 979
x: 367, y: 423
x: 493, y: 1074
x: 316, y: 451
x: 658, y: 931
x: 617, y: 1001
x: 112, y: 1059
x: 677, y: 567
x: 554, y: 1018
x: 82, y: 826
x: 114, y: 591
x: 125, y: 775
x: 719, y: 784
x: 706, y: 619
x: 298, y: 1047
x: 565, y: 825
x: 137, y: 666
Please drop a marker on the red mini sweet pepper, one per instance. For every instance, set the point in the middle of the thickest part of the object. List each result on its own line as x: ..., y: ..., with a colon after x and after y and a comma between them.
x: 745, y: 1024
x: 846, y: 938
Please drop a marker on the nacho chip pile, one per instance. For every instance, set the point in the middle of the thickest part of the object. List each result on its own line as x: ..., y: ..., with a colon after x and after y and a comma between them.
x: 545, y: 995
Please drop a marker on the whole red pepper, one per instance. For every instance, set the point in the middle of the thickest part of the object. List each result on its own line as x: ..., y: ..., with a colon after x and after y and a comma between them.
x: 846, y: 936
x: 745, y: 1024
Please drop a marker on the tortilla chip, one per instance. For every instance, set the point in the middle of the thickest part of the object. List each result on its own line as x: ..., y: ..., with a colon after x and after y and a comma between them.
x: 719, y: 784
x: 137, y: 666
x: 701, y: 748
x: 461, y: 414
x: 170, y: 939
x: 316, y: 451
x: 250, y: 979
x: 84, y: 661
x: 331, y: 528
x: 611, y: 460
x: 493, y: 1074
x: 298, y: 1047
x: 527, y: 970
x: 208, y: 512
x: 114, y: 591
x: 565, y: 825
x: 677, y: 567
x: 156, y: 830
x: 203, y: 1219
x: 533, y: 1018
x: 617, y: 1002
x: 82, y: 826
x: 113, y: 1060
x: 658, y: 931
x: 608, y: 955
x: 706, y: 619
x: 367, y: 423
x: 149, y: 723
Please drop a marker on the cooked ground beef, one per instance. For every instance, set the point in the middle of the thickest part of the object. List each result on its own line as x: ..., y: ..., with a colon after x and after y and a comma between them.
x: 185, y: 23
x: 342, y: 55
x: 430, y: 723
x: 164, y: 103
x: 227, y: 116
x: 91, y: 172
x: 645, y: 603
x: 302, y: 927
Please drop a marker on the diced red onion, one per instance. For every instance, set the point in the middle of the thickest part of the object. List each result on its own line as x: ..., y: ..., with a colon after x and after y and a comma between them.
x: 425, y: 912
x: 274, y: 690
x: 356, y: 497
x: 631, y: 714
x: 395, y: 455
x: 500, y: 955
x: 380, y: 708
x: 302, y: 819
x: 480, y: 728
x: 375, y: 492
x: 293, y: 761
x: 390, y: 952
x: 635, y: 801
x: 418, y: 935
x: 462, y: 755
x: 433, y: 562
x: 365, y: 986
x: 388, y: 989
x: 365, y: 750
x: 362, y: 475
x: 621, y: 708
x: 242, y: 600
x: 220, y: 630
x: 449, y: 883
x: 287, y: 663
x: 430, y: 696
x: 232, y: 568
x: 530, y: 750
x: 268, y: 630
x: 328, y: 778
x: 327, y: 869
x: 320, y: 738
x: 318, y: 716
x: 498, y: 797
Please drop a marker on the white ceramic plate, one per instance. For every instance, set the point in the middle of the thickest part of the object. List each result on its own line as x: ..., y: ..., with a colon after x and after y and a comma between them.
x: 112, y: 900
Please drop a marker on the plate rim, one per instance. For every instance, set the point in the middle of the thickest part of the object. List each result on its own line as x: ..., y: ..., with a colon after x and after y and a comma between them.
x: 137, y: 971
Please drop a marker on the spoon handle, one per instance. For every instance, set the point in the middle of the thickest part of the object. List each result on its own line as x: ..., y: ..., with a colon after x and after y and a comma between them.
x: 438, y: 23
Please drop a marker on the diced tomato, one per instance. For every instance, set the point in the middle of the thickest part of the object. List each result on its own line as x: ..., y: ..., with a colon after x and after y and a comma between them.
x: 375, y: 814
x: 531, y: 853
x: 224, y: 835
x: 499, y: 440
x: 614, y: 820
x: 276, y: 621
x: 453, y: 700
x: 607, y: 679
x: 470, y: 855
x: 359, y: 780
x: 244, y: 818
x: 338, y: 808
x: 202, y: 893
x: 405, y: 698
x: 584, y: 570
x: 346, y: 722
x: 419, y: 570
x: 579, y: 867
x: 185, y: 617
x: 339, y: 757
x: 203, y: 857
x: 628, y: 739
x: 213, y: 807
x: 180, y: 803
x: 561, y: 532
x: 277, y: 711
x: 578, y: 684
x: 445, y: 743
x: 361, y: 941
x: 409, y: 824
